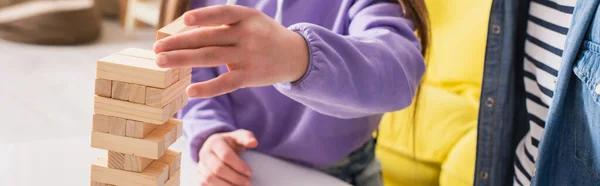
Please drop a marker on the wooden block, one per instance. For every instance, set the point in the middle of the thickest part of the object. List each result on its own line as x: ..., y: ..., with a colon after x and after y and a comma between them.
x: 116, y: 160
x: 178, y: 104
x: 132, y: 111
x: 137, y: 94
x: 138, y: 129
x: 128, y: 162
x: 100, y: 123
x: 135, y: 163
x: 175, y: 74
x: 155, y: 174
x: 93, y: 183
x: 120, y: 90
x: 161, y: 97
x: 176, y: 131
x: 135, y: 70
x: 152, y: 146
x: 103, y: 88
x: 175, y: 27
x: 117, y: 126
x: 136, y: 52
x: 185, y: 71
x: 173, y: 159
x: 185, y: 99
x: 175, y: 179
x: 147, y: 54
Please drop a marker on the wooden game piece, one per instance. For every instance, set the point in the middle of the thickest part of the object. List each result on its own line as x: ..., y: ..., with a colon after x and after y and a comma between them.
x: 175, y: 179
x: 137, y: 94
x: 100, y: 123
x: 93, y: 183
x: 138, y: 129
x: 175, y: 27
x: 136, y: 52
x: 128, y: 162
x: 120, y: 90
x: 103, y: 88
x: 152, y: 146
x: 173, y: 159
x: 185, y: 99
x: 117, y: 126
x: 135, y: 70
x: 161, y: 97
x: 135, y: 163
x: 116, y: 160
x: 133, y: 111
x: 185, y: 71
x: 156, y: 174
x: 177, y: 131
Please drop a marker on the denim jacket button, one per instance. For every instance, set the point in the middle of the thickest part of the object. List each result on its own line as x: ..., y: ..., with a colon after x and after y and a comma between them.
x: 496, y: 29
x: 598, y: 89
x: 490, y: 102
x: 484, y: 175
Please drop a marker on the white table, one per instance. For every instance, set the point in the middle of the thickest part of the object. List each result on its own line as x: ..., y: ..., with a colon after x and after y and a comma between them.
x: 67, y: 162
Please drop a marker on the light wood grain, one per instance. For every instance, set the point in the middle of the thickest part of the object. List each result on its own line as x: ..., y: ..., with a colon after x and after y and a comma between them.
x: 138, y: 129
x: 128, y: 162
x: 93, y: 183
x: 173, y: 159
x: 137, y: 94
x: 162, y: 97
x: 155, y: 174
x: 136, y: 52
x: 152, y: 146
x: 117, y: 126
x: 175, y: 179
x: 100, y: 123
x: 116, y: 160
x: 103, y: 88
x: 120, y: 90
x: 135, y: 163
x: 135, y: 70
x: 133, y: 111
x: 175, y: 27
x: 183, y: 72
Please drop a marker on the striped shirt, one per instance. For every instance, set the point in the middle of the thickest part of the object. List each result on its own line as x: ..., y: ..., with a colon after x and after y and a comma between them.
x: 547, y: 27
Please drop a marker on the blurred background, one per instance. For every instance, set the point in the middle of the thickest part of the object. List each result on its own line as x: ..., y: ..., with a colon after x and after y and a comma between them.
x: 48, y: 50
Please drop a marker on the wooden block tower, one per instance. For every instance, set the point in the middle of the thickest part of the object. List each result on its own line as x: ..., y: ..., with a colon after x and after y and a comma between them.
x: 133, y: 108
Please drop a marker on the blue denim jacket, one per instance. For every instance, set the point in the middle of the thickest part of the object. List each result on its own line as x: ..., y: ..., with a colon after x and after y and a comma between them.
x: 570, y: 146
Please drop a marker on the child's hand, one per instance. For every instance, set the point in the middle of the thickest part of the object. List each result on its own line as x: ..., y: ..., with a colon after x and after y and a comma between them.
x: 257, y: 50
x: 220, y: 163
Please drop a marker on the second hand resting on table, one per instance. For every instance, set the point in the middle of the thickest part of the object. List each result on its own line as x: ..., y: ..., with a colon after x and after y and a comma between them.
x: 257, y: 50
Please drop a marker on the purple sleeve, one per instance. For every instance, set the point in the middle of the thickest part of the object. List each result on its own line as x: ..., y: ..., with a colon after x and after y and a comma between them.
x: 204, y: 117
x: 375, y: 69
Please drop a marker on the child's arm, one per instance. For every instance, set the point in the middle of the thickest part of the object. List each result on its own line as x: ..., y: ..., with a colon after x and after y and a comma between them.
x: 376, y: 69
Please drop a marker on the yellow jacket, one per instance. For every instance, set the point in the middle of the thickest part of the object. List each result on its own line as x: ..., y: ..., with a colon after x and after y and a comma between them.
x: 435, y: 144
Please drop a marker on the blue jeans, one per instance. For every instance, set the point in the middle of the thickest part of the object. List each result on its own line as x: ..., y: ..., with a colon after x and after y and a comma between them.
x: 360, y: 168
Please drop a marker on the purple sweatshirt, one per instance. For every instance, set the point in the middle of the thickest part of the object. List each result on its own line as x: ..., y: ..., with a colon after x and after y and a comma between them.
x: 365, y: 60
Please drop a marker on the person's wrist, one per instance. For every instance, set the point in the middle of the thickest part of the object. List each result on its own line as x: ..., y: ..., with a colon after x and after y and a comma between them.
x: 299, y: 57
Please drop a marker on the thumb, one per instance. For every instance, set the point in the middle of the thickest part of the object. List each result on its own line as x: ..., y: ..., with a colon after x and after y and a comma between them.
x: 244, y: 138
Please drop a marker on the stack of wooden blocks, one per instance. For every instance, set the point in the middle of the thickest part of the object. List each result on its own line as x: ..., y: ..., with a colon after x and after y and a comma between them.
x: 134, y: 104
x: 133, y: 108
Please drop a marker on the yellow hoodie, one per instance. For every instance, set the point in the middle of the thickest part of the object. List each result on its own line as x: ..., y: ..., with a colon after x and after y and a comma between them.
x: 437, y: 146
